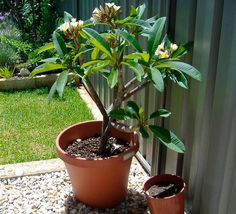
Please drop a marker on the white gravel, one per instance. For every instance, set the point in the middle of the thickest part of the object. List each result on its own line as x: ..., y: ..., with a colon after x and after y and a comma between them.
x: 51, y: 193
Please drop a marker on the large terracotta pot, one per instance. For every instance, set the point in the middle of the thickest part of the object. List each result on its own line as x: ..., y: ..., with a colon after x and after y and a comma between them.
x: 99, y: 183
x: 168, y: 205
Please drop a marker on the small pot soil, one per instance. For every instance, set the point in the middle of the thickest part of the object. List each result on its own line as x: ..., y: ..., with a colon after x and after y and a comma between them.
x: 100, y: 182
x: 165, y: 194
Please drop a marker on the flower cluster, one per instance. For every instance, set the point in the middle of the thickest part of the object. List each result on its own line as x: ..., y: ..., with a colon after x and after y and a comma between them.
x: 162, y: 53
x: 71, y: 29
x: 106, y: 14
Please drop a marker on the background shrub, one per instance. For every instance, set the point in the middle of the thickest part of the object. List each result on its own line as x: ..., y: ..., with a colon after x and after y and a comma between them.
x: 35, y: 18
x: 8, y: 56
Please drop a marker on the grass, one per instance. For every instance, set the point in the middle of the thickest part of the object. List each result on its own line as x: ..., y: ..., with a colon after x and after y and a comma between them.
x: 29, y: 125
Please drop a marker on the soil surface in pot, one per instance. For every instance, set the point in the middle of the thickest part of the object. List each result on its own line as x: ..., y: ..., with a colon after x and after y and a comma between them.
x: 163, y: 190
x: 88, y: 148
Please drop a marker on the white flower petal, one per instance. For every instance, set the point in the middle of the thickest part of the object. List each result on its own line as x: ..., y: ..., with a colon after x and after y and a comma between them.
x: 109, y: 4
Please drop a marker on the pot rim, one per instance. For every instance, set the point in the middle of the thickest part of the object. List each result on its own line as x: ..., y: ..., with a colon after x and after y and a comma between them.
x: 165, y: 198
x: 130, y: 152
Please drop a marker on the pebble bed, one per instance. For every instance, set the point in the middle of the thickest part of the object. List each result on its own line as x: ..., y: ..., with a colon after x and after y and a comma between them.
x: 51, y: 193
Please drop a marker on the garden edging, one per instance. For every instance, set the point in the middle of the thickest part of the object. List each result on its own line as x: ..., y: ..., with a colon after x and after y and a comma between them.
x: 32, y: 82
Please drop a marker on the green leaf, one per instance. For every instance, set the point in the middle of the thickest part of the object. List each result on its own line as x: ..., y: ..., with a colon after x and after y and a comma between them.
x: 52, y: 91
x: 176, y: 144
x: 144, y: 56
x: 51, y: 60
x: 79, y: 71
x: 140, y: 9
x: 123, y: 21
x: 180, y: 79
x: 130, y: 39
x: 140, y: 23
x: 182, y: 50
x: 61, y: 82
x: 160, y: 113
x: 152, y: 19
x: 91, y: 62
x: 98, y: 41
x: 112, y: 78
x: 141, y: 113
x: 166, y: 41
x: 136, y: 67
x: 105, y: 73
x: 94, y: 53
x: 100, y: 66
x: 133, y: 107
x: 185, y: 68
x: 46, y: 47
x: 168, y: 138
x: 133, y: 11
x: 46, y: 67
x: 155, y: 75
x: 67, y: 17
x: 143, y: 132
x: 119, y: 114
x: 155, y: 34
x: 162, y: 133
x: 59, y: 44
x: 83, y: 50
x: 144, y: 63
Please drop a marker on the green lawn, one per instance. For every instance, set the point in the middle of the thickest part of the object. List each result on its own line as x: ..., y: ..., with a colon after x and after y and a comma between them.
x: 29, y: 125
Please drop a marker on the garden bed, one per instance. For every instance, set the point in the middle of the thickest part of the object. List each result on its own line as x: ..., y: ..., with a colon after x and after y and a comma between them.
x: 19, y: 83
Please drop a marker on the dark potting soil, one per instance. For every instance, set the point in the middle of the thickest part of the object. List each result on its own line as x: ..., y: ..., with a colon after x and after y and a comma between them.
x: 88, y: 148
x: 163, y: 190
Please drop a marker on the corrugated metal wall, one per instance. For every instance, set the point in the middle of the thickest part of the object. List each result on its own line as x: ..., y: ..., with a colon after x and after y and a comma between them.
x: 205, y: 116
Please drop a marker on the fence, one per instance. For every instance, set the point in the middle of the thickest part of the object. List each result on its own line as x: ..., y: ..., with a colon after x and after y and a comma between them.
x: 205, y: 116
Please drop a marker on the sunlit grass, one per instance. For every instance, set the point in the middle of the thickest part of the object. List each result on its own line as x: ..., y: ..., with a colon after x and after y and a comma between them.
x: 29, y: 125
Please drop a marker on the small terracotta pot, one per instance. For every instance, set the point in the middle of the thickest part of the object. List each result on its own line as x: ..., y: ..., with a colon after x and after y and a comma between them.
x: 168, y: 205
x: 102, y: 182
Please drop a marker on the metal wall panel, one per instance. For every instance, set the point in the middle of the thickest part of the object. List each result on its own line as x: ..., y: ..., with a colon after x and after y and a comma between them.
x: 204, y: 117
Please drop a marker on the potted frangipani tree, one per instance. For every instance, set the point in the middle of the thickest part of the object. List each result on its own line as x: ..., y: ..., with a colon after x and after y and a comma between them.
x: 97, y: 154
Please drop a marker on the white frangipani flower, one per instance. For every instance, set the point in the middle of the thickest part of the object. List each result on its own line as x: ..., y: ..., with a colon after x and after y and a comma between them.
x: 64, y: 27
x: 96, y: 10
x: 109, y: 4
x: 116, y: 8
x: 80, y: 23
x: 161, y: 47
x: 173, y: 47
x: 161, y: 52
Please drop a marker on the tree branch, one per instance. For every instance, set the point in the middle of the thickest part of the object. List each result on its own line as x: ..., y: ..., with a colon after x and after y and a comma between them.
x: 92, y: 92
x: 136, y: 89
x: 130, y: 84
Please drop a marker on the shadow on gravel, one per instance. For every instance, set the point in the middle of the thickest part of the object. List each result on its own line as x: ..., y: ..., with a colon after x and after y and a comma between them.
x: 135, y: 203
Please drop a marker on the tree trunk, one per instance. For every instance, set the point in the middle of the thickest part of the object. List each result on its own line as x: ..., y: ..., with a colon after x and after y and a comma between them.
x: 116, y: 104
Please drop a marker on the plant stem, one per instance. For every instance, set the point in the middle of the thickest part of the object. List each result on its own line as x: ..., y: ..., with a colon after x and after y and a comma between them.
x: 105, y: 136
x: 130, y: 83
x: 136, y: 89
x: 92, y: 92
x: 117, y: 103
x: 120, y: 89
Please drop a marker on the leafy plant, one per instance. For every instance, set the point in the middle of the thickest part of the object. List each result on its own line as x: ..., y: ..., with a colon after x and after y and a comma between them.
x: 6, y: 73
x: 22, y: 48
x: 48, y: 20
x: 105, y: 53
x: 35, y: 18
x: 8, y: 56
x: 9, y: 30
